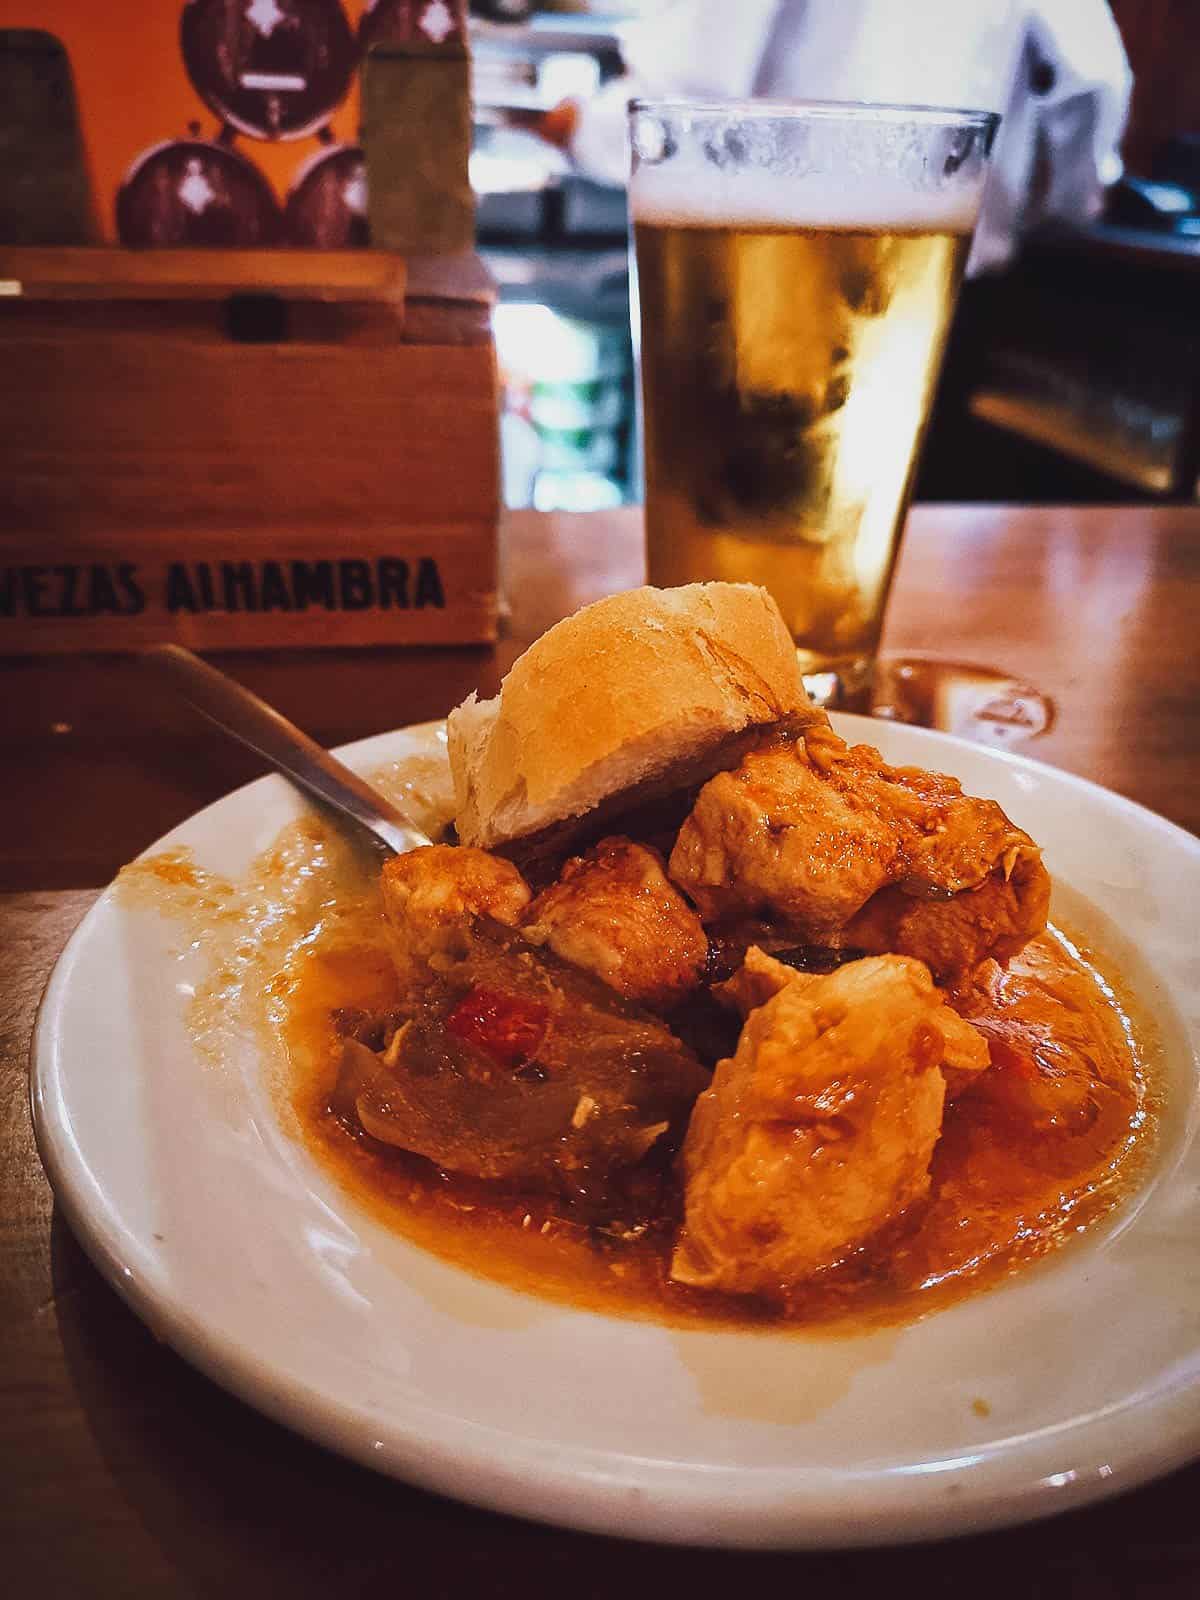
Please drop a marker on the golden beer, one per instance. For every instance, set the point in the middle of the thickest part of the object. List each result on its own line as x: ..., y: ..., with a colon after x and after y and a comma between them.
x: 791, y: 337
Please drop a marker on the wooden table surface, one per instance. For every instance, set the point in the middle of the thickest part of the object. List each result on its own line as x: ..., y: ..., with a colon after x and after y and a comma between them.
x: 123, y: 1472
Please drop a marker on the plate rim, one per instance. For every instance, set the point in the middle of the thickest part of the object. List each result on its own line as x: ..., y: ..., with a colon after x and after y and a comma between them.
x: 575, y: 1496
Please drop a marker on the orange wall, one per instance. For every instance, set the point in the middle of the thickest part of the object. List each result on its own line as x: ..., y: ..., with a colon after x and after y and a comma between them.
x: 134, y: 92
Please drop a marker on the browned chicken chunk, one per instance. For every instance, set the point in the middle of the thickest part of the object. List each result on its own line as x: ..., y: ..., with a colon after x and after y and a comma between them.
x: 1054, y: 1053
x: 761, y: 977
x: 613, y: 912
x: 431, y: 895
x: 833, y: 846
x: 818, y: 1132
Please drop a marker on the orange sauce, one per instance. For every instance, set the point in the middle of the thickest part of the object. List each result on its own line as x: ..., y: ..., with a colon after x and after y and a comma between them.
x: 1026, y: 1160
x: 1053, y: 1137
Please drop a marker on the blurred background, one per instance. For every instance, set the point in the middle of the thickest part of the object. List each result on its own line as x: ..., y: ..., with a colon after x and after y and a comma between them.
x: 1073, y: 371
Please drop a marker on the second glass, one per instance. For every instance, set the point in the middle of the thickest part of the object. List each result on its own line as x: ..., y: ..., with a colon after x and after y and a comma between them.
x: 796, y: 270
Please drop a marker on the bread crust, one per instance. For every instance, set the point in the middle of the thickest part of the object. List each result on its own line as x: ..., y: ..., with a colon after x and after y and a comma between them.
x: 614, y: 698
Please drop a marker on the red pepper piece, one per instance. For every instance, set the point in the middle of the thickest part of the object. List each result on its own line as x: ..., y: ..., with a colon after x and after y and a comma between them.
x: 506, y: 1027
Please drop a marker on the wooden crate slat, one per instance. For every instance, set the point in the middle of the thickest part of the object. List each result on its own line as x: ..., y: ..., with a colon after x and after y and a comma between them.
x: 245, y: 589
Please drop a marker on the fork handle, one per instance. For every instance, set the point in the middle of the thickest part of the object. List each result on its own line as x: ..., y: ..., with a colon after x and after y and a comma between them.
x: 224, y: 701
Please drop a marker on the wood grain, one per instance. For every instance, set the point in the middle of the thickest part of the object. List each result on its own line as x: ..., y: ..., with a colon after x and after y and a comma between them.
x: 127, y: 1474
x: 1096, y: 608
x: 108, y: 274
x: 251, y: 588
x: 170, y: 430
x: 154, y: 413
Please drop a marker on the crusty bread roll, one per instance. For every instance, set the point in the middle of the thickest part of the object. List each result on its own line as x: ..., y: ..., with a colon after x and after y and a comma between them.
x: 620, y: 697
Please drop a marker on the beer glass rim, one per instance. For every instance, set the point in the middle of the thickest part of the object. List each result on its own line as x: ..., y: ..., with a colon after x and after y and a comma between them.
x: 825, y: 110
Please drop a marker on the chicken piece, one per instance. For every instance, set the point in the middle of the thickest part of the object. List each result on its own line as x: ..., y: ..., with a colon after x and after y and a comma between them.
x: 1058, y: 1061
x: 613, y: 912
x: 431, y: 895
x: 761, y: 977
x: 833, y: 846
x: 993, y: 921
x: 818, y: 1131
x: 514, y: 1066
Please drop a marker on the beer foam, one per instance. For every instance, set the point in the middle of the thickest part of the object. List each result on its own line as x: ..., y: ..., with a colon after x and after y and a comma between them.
x: 696, y: 194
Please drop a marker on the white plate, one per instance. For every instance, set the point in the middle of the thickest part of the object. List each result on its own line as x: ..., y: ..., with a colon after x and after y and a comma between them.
x: 223, y: 1234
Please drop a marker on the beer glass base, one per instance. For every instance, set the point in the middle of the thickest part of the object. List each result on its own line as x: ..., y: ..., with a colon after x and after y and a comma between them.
x: 837, y: 683
x: 983, y: 704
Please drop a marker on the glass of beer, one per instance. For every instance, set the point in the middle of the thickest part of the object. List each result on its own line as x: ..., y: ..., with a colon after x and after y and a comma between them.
x: 796, y: 269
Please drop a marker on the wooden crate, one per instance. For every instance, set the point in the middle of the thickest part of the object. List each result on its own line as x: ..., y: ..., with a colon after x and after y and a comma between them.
x: 244, y: 449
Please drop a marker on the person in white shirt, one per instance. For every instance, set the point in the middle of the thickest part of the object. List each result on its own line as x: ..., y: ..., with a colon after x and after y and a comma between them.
x: 1055, y: 69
